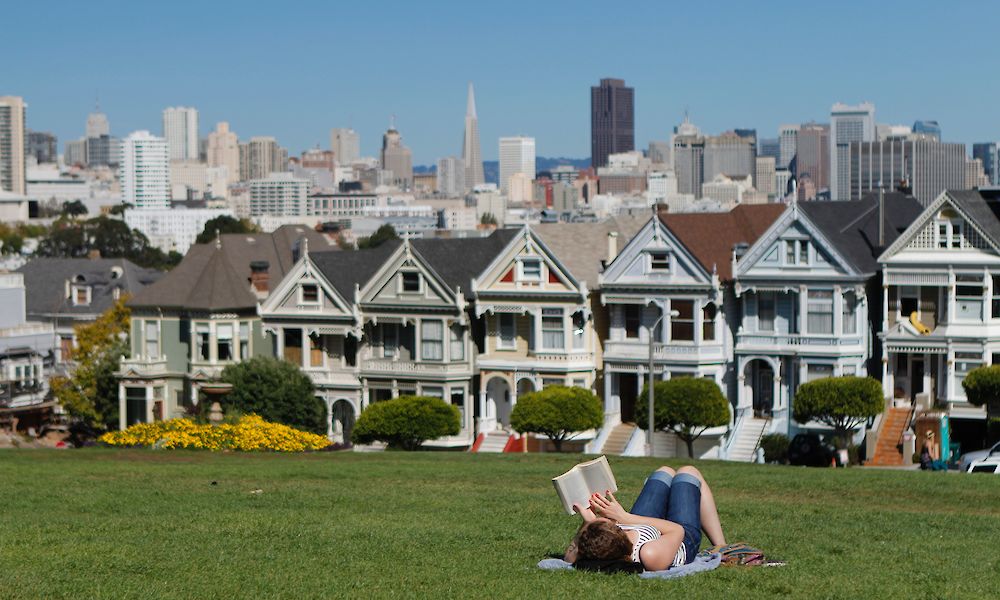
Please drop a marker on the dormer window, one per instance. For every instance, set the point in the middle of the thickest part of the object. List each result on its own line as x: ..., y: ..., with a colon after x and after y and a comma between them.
x: 659, y: 261
x: 310, y: 293
x: 797, y: 252
x: 531, y: 269
x: 81, y: 295
x: 410, y: 282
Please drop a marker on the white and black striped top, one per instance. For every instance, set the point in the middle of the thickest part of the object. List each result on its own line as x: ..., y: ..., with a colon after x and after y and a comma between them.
x: 648, y: 533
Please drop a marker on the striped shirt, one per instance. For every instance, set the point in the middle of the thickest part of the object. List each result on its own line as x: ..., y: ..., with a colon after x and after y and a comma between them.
x: 648, y: 533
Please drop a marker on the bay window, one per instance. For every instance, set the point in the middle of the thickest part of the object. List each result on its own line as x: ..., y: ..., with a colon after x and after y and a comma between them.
x: 431, y: 340
x: 849, y: 313
x: 765, y: 311
x: 152, y: 334
x: 507, y: 328
x: 708, y: 322
x: 224, y: 341
x: 820, y: 312
x: 969, y: 297
x: 456, y: 350
x: 553, y: 329
x: 682, y: 325
x: 202, y: 340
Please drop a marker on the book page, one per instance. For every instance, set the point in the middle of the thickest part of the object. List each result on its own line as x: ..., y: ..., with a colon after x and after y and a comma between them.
x: 577, y: 484
x: 598, y: 476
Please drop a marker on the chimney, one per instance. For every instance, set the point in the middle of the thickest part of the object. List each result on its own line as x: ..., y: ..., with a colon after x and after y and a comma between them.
x: 661, y: 209
x: 612, y: 246
x: 259, y: 276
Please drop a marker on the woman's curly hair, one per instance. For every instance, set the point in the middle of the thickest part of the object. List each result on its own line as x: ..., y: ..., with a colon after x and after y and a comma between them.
x: 603, y: 540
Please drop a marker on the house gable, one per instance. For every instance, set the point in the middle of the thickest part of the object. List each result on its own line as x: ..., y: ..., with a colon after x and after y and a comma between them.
x: 305, y: 291
x: 943, y: 229
x: 406, y: 279
x: 794, y: 247
x: 655, y: 257
x: 526, y: 264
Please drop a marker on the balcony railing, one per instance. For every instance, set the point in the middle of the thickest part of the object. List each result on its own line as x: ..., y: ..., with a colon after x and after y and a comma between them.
x: 639, y: 350
x: 794, y: 339
x: 561, y: 355
x: 388, y: 365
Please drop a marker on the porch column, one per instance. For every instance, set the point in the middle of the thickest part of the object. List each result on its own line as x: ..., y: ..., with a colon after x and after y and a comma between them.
x: 149, y: 403
x: 888, y: 375
x: 121, y: 405
x: 608, y: 400
x: 803, y: 306
x: 279, y: 336
x: 329, y: 418
x: 927, y: 378
x: 306, y: 348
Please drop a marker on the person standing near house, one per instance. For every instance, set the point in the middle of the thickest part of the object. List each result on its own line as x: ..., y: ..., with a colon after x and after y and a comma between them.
x: 930, y: 454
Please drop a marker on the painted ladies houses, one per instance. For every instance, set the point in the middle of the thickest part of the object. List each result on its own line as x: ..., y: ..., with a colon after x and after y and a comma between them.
x: 200, y: 317
x: 671, y: 282
x: 391, y: 321
x: 538, y: 327
x: 804, y: 291
x: 941, y: 309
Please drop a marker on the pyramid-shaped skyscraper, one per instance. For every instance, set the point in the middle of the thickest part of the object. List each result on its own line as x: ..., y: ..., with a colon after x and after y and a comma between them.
x: 471, y: 155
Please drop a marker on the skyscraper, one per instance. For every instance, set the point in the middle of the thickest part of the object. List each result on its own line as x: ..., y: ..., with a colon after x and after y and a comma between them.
x: 928, y: 166
x: 180, y: 128
x: 989, y: 153
x: 929, y: 128
x: 788, y: 136
x: 397, y: 158
x: 451, y: 176
x: 13, y: 135
x: 97, y: 123
x: 728, y: 154
x: 42, y: 145
x: 517, y: 155
x: 848, y: 124
x: 260, y: 157
x: 471, y: 155
x: 346, y: 146
x: 144, y: 171
x: 612, y: 120
x: 812, y: 156
x: 224, y: 151
x: 764, y: 179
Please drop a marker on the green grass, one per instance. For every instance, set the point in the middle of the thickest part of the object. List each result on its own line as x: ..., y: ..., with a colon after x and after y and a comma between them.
x: 146, y: 524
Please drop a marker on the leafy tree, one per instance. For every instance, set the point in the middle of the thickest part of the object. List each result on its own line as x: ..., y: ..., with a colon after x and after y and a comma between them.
x: 406, y: 422
x: 110, y: 237
x: 382, y: 234
x: 982, y: 388
x: 90, y: 392
x: 277, y: 390
x: 488, y: 219
x: 224, y: 224
x: 119, y: 209
x: 557, y: 411
x: 75, y: 208
x: 685, y: 406
x: 843, y: 403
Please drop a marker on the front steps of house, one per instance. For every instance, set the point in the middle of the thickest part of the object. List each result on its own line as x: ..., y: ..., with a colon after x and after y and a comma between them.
x: 745, y: 444
x: 618, y: 439
x: 494, y: 441
x: 887, y: 452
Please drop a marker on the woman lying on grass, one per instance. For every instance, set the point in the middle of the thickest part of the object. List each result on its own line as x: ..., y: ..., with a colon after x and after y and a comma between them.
x: 662, y: 530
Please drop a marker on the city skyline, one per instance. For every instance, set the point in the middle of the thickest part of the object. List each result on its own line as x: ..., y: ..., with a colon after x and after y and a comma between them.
x: 777, y: 82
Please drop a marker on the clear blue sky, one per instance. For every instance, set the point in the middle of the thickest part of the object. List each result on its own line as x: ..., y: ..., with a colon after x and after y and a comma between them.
x: 294, y: 70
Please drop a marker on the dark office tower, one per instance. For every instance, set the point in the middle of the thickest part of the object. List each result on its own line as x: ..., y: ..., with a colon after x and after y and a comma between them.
x: 612, y: 120
x: 989, y: 153
x: 42, y: 145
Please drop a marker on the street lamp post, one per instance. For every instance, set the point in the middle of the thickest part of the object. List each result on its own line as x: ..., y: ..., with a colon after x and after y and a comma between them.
x: 652, y: 376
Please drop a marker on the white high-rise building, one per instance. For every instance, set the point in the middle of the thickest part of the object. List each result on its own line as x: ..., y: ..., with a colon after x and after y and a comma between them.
x: 764, y: 176
x: 180, y: 128
x: 279, y: 194
x: 471, y: 155
x: 847, y: 124
x: 517, y: 155
x: 144, y: 171
x: 13, y: 111
x: 224, y: 151
x: 788, y: 137
x: 451, y: 176
x: 346, y: 146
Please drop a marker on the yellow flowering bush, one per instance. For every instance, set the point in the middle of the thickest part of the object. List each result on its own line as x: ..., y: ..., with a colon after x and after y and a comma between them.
x: 250, y: 433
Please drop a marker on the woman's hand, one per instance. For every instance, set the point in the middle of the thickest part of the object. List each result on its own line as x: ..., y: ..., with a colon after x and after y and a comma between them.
x: 608, y: 507
x: 584, y: 511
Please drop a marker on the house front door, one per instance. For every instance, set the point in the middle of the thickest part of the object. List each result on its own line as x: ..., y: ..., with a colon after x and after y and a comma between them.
x: 763, y: 389
x: 628, y: 389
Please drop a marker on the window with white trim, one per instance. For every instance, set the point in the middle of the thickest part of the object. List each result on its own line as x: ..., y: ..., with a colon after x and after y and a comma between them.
x: 632, y: 317
x: 151, y: 330
x: 682, y: 324
x: 553, y: 329
x: 820, y: 311
x: 964, y: 363
x: 531, y: 269
x: 579, y: 330
x: 969, y: 297
x: 507, y: 331
x: 244, y: 340
x: 659, y: 261
x: 708, y: 313
x: 390, y: 340
x: 309, y: 293
x: 202, y: 341
x: 849, y: 313
x: 816, y: 371
x: 456, y: 349
x: 765, y: 311
x: 431, y: 340
x: 797, y: 252
x: 410, y: 282
x: 81, y: 295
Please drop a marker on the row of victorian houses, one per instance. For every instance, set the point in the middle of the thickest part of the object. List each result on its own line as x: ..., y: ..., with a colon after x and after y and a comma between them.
x: 760, y: 300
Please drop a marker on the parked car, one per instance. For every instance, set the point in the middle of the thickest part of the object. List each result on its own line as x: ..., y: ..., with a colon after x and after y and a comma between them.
x: 807, y: 449
x: 970, y: 457
x: 986, y: 465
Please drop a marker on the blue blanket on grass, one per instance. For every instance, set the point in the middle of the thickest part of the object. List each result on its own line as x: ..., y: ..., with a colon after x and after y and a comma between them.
x: 701, y: 563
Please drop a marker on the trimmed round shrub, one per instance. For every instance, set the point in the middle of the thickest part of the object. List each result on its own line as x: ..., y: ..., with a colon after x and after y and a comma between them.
x: 843, y: 403
x: 406, y: 422
x: 558, y: 412
x: 686, y: 406
x: 982, y: 388
x: 775, y: 446
x: 277, y: 390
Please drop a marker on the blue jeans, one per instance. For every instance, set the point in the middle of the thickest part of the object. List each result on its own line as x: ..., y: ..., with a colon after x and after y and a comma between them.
x: 674, y: 498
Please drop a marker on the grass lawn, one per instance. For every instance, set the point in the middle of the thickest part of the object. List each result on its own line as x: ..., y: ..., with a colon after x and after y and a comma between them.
x: 147, y: 524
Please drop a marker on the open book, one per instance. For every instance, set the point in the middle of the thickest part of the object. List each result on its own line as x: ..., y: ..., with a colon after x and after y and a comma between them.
x: 577, y: 484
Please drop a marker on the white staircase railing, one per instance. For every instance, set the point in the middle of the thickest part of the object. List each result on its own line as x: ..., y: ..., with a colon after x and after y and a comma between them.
x: 734, y: 431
